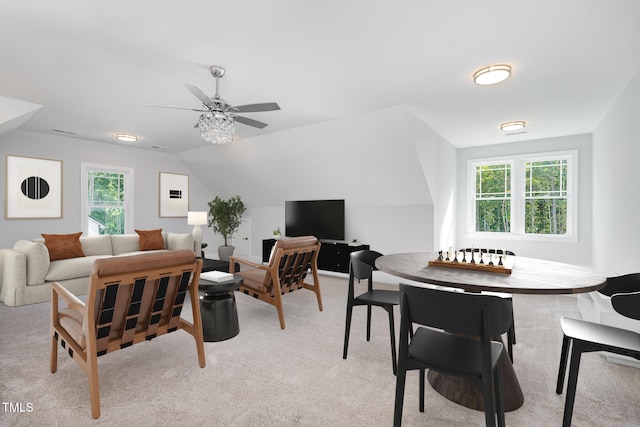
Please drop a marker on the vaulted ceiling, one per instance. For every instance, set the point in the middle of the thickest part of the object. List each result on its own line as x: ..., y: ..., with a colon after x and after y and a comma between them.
x: 92, y: 65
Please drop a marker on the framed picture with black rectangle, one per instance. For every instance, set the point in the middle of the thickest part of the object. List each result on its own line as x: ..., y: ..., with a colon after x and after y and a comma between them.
x: 174, y: 195
x: 34, y: 188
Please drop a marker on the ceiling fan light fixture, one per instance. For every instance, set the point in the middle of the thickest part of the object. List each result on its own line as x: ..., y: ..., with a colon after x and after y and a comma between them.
x: 217, y: 128
x: 125, y: 137
x: 492, y: 74
x: 511, y: 126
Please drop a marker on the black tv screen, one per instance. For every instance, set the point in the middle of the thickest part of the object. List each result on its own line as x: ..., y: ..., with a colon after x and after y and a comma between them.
x: 321, y: 218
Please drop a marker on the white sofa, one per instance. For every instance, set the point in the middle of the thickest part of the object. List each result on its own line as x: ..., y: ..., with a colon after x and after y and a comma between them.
x: 26, y: 270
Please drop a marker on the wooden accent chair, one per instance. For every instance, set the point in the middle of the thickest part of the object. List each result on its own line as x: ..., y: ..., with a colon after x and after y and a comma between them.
x: 289, y: 263
x: 131, y: 299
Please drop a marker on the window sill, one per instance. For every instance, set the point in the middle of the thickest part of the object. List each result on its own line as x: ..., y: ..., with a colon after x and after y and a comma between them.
x: 523, y: 237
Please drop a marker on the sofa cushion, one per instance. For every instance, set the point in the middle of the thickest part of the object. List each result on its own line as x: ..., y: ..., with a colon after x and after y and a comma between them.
x: 63, y: 246
x: 37, y: 260
x: 144, y: 261
x: 139, y: 252
x: 175, y: 241
x: 151, y: 240
x: 72, y: 268
x: 123, y: 243
x: 96, y: 245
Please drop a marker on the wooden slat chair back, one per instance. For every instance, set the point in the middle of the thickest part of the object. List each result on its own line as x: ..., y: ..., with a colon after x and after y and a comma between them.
x: 291, y: 261
x: 131, y: 299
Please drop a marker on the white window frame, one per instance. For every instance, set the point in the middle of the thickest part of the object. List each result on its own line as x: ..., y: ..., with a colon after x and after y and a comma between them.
x: 128, y: 193
x: 518, y: 178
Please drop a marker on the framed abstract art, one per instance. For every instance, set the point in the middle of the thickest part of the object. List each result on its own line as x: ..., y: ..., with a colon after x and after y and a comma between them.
x: 174, y: 195
x: 34, y: 188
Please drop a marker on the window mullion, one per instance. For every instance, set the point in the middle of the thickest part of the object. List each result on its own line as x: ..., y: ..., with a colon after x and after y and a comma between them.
x: 518, y: 177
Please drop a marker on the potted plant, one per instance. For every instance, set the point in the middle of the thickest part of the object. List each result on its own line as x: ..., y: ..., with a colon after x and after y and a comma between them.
x: 225, y: 218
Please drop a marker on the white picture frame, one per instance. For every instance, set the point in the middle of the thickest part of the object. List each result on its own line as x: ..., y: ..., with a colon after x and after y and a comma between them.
x: 174, y: 195
x: 33, y: 188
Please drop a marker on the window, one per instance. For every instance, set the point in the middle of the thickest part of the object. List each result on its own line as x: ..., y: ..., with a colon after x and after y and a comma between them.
x: 106, y: 200
x: 546, y: 197
x: 525, y: 195
x: 493, y: 197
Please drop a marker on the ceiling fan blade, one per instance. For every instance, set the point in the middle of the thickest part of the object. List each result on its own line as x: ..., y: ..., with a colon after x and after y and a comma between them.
x: 254, y: 108
x: 176, y: 108
x: 250, y: 122
x: 199, y: 94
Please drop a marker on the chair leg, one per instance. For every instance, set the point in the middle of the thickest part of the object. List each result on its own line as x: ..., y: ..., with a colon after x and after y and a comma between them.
x: 53, y: 361
x: 421, y: 392
x: 392, y: 332
x: 488, y: 389
x: 510, y: 342
x: 511, y: 337
x: 53, y: 355
x: 368, y: 322
x: 499, y: 395
x: 400, y: 383
x: 197, y: 327
x: 280, y: 308
x: 347, y: 330
x: 572, y: 382
x: 512, y: 329
x: 92, y: 374
x: 566, y: 343
x: 316, y: 289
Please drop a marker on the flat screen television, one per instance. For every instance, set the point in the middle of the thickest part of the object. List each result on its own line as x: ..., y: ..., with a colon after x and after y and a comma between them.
x: 321, y: 218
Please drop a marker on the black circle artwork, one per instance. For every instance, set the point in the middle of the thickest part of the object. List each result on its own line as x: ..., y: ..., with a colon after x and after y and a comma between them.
x: 35, y: 188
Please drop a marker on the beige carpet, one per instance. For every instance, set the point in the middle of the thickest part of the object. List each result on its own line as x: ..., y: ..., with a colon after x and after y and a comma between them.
x: 296, y: 377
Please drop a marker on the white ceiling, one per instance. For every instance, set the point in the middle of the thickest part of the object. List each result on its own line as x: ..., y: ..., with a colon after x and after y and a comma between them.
x: 92, y: 64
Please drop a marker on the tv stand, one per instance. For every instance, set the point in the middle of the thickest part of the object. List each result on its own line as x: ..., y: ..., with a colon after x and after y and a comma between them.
x: 334, y: 254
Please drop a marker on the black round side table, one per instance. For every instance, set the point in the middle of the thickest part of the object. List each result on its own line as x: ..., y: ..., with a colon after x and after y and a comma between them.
x: 218, y: 309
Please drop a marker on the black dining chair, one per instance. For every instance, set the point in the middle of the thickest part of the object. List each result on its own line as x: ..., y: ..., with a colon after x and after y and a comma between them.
x: 511, y: 333
x: 581, y: 336
x: 456, y: 341
x: 362, y: 266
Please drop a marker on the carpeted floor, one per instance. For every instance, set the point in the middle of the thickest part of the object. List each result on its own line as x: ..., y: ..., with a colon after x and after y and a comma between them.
x: 297, y: 377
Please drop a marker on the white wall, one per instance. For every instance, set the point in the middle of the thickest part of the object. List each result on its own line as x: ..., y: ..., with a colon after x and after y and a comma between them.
x: 379, y: 162
x: 438, y: 160
x: 72, y: 151
x: 570, y: 252
x: 395, y: 173
x: 616, y: 186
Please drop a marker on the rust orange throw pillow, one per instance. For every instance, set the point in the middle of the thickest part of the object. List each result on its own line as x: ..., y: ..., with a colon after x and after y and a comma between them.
x: 151, y: 239
x: 63, y: 246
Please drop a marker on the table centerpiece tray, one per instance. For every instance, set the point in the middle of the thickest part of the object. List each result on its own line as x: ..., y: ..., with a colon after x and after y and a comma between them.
x: 495, y: 265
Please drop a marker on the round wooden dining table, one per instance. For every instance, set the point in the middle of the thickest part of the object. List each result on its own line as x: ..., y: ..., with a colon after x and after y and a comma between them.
x: 528, y: 276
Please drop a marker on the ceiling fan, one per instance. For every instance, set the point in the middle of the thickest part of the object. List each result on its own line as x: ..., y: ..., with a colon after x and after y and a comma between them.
x: 217, y: 121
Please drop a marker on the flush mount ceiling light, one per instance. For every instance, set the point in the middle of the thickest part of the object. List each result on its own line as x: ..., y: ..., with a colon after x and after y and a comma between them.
x: 126, y: 137
x: 511, y: 126
x: 492, y: 74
